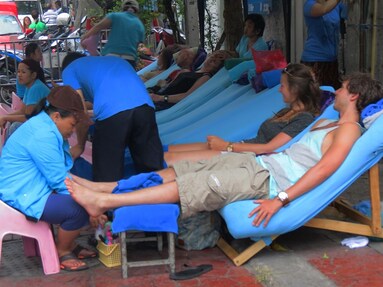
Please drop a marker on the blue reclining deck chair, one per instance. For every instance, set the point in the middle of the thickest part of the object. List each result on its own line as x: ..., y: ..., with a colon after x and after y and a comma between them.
x: 364, y: 156
x: 238, y: 120
x: 220, y: 81
x: 225, y: 97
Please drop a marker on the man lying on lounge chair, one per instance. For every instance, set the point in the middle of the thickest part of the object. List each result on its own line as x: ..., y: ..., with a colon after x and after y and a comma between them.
x: 273, y: 180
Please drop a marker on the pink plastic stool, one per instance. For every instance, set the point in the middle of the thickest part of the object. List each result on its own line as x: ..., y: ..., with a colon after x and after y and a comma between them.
x: 17, y: 103
x: 4, y: 110
x: 14, y: 222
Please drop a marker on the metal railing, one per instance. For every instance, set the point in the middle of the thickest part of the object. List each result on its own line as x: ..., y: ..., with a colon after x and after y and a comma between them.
x: 54, y: 50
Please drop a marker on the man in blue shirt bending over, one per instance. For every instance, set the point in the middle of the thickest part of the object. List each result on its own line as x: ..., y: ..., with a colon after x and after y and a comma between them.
x: 123, y: 112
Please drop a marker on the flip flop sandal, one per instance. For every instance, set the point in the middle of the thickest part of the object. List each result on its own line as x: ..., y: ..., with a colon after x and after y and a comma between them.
x: 77, y: 250
x: 71, y: 256
x: 191, y: 272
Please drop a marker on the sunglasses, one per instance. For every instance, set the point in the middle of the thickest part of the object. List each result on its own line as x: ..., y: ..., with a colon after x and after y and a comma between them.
x: 287, y: 71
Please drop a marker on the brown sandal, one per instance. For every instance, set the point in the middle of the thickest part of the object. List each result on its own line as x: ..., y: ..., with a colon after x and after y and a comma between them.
x: 71, y: 256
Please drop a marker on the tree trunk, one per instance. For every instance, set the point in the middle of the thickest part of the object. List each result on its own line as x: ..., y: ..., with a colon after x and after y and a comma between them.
x: 85, y: 7
x: 172, y: 20
x: 233, y: 27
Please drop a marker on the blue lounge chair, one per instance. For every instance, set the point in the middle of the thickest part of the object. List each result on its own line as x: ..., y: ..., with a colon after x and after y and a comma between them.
x: 364, y: 156
x: 220, y: 81
x: 237, y: 120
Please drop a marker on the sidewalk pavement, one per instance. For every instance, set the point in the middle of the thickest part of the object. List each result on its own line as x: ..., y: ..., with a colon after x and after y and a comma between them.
x: 311, y: 257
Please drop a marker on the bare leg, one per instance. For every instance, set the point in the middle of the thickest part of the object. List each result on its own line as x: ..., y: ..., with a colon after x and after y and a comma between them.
x: 188, y: 147
x: 173, y: 157
x: 95, y: 186
x: 107, y: 187
x: 65, y: 243
x: 97, y: 203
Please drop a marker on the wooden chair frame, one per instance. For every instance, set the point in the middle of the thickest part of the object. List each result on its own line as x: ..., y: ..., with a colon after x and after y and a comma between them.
x: 364, y: 226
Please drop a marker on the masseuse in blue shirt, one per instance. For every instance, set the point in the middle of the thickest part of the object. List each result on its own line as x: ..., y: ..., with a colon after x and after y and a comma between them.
x: 123, y: 112
x: 126, y: 32
x: 33, y: 165
x: 321, y: 47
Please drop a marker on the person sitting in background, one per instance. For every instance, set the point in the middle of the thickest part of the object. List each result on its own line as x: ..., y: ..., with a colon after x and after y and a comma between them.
x: 28, y: 75
x: 184, y: 59
x: 32, y: 51
x: 50, y: 16
x: 164, y: 60
x: 60, y: 9
x: 300, y: 92
x: 37, y: 24
x: 26, y: 23
x: 252, y: 36
x: 187, y: 82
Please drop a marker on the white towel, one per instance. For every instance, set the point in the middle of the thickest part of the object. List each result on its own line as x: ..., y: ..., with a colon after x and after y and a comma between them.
x: 355, y: 242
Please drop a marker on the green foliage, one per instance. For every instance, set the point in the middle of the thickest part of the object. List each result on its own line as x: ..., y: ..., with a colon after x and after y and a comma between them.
x: 146, y: 14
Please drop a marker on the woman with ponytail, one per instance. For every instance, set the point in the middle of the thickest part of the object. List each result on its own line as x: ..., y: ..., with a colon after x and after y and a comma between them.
x: 33, y: 165
x: 300, y: 92
x: 28, y: 74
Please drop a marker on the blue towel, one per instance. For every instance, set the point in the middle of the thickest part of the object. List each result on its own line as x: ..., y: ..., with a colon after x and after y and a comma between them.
x: 145, y: 217
x: 372, y: 109
x: 138, y: 181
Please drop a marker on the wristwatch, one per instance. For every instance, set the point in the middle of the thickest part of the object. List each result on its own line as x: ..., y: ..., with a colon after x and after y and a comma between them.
x: 166, y: 99
x: 284, y: 198
x: 229, y: 147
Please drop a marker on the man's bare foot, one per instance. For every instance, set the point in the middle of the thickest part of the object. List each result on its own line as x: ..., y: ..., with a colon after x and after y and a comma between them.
x: 106, y: 187
x: 90, y: 200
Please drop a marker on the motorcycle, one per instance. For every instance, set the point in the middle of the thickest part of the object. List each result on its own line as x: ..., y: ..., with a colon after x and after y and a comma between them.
x: 164, y: 37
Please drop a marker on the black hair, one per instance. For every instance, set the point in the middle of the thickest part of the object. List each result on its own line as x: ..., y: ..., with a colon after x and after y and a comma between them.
x: 30, y: 49
x: 69, y: 58
x: 35, y: 15
x: 43, y: 105
x: 34, y: 67
x: 259, y: 23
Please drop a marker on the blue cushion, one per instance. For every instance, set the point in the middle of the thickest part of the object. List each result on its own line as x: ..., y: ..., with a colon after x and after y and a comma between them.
x: 146, y: 217
x: 272, y: 78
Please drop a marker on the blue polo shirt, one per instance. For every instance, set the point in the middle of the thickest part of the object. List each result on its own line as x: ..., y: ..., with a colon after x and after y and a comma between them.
x: 35, y: 93
x: 244, y: 52
x: 323, y: 34
x: 34, y: 162
x: 109, y: 82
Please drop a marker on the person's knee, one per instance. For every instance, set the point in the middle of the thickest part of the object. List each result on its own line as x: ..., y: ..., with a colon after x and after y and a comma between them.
x: 77, y: 218
x: 167, y: 174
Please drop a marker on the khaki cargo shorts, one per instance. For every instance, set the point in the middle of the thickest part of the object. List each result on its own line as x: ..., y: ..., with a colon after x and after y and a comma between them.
x: 211, y: 184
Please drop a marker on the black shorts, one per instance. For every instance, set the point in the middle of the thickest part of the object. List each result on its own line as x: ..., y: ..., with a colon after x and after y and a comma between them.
x: 136, y: 129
